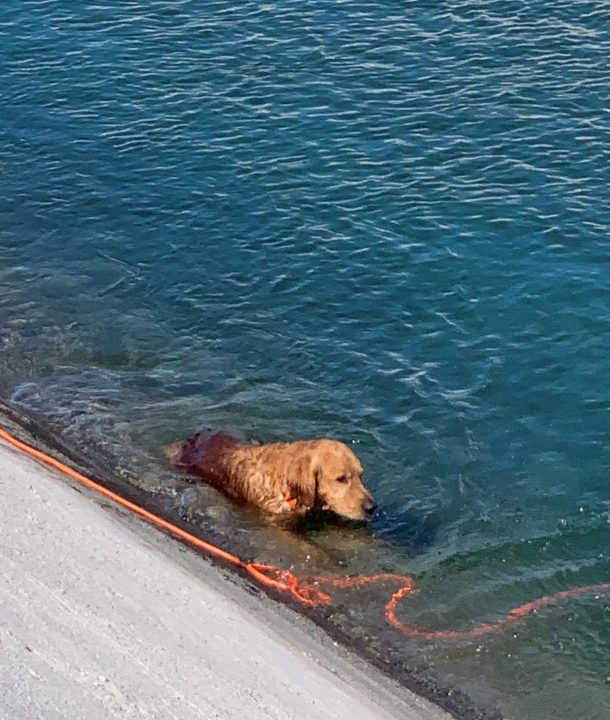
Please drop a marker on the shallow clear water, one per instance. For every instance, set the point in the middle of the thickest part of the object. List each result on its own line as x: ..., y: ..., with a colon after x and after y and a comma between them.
x: 383, y: 222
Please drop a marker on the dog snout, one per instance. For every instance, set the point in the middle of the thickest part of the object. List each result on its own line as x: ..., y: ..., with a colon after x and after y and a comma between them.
x: 369, y: 506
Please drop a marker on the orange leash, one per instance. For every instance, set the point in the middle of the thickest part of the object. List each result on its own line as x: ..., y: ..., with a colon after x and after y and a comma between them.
x: 307, y: 590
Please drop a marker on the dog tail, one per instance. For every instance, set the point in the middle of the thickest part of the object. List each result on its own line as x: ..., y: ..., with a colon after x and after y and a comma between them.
x: 174, y: 453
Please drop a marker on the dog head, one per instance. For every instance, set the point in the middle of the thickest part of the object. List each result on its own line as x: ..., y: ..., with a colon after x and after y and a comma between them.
x: 329, y: 477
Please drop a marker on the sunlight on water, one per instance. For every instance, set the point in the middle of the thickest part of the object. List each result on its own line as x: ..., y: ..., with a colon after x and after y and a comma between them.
x: 383, y: 223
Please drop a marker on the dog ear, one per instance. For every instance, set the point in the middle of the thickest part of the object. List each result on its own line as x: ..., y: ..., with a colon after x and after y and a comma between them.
x: 303, y: 480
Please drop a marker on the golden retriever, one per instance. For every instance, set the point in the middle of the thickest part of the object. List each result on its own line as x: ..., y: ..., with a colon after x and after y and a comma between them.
x: 279, y: 478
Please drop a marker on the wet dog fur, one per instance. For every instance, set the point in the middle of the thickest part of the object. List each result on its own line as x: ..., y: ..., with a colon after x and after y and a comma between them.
x: 279, y: 478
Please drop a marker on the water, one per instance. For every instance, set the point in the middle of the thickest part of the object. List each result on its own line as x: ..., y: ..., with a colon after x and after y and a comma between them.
x: 383, y: 222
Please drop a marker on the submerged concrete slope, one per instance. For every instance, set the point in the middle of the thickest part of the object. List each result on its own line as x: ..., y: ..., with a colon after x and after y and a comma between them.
x: 103, y: 617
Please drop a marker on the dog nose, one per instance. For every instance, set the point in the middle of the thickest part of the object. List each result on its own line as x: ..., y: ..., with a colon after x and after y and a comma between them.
x: 369, y: 506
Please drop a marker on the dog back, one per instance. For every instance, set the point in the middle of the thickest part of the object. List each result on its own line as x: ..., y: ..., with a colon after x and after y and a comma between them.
x: 202, y: 452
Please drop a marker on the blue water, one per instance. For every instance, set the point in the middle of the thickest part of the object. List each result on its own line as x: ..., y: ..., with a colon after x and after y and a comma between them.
x: 384, y: 222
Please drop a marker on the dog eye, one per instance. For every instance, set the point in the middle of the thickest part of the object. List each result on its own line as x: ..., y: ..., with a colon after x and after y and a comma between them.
x: 342, y: 479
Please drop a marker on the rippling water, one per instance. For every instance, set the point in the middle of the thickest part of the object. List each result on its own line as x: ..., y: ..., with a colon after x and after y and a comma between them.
x: 384, y: 222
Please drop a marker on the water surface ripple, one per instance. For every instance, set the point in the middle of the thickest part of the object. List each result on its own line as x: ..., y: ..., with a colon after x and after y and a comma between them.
x: 384, y: 222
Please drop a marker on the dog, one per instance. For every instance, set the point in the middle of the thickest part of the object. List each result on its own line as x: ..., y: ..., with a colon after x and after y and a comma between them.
x: 279, y: 478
